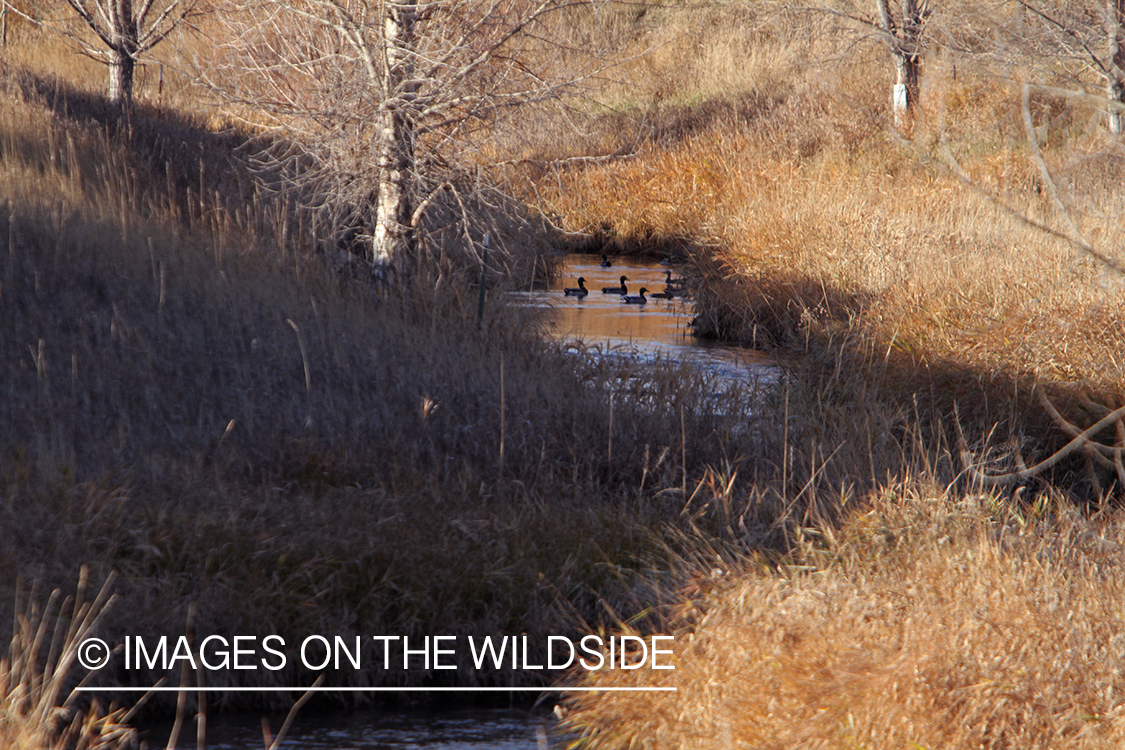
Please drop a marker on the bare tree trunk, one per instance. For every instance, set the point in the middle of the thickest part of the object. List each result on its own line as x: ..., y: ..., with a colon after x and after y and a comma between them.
x: 394, y: 235
x: 910, y: 68
x: 906, y: 51
x: 121, y: 68
x: 122, y: 55
x: 1115, y: 83
x: 126, y: 33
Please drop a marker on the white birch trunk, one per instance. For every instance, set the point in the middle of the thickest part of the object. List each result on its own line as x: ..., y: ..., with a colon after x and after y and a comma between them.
x: 905, y: 46
x: 121, y: 67
x: 122, y: 54
x: 394, y: 235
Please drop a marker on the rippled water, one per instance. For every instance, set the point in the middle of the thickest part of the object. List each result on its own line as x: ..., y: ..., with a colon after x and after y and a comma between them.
x: 377, y: 730
x: 657, y: 328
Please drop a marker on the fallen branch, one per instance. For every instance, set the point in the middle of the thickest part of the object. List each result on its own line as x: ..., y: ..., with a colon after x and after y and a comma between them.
x: 1081, y: 440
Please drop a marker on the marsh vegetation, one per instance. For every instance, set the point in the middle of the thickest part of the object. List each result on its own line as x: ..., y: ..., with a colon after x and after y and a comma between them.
x: 205, y: 390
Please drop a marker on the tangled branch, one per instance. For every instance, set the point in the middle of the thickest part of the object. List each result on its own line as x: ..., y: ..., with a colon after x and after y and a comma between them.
x: 1107, y: 455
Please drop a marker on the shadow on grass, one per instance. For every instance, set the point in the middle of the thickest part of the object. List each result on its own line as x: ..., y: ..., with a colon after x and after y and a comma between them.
x: 165, y: 161
x: 849, y: 371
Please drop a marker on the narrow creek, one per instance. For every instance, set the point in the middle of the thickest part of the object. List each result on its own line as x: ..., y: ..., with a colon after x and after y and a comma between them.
x: 471, y: 729
x: 658, y: 328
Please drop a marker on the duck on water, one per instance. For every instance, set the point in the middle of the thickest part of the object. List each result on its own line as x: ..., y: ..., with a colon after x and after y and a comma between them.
x: 673, y: 285
x: 578, y: 291
x: 616, y: 289
x: 638, y: 299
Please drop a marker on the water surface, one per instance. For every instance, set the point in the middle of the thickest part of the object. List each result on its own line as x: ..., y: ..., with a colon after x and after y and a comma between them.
x: 377, y: 730
x: 659, y: 328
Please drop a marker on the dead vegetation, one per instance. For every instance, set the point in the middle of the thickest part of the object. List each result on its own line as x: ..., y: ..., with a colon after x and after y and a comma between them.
x: 925, y: 619
x: 203, y: 393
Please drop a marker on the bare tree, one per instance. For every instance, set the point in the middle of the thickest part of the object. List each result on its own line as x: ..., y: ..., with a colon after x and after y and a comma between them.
x: 901, y: 26
x: 1081, y: 42
x: 380, y: 106
x: 902, y: 33
x: 124, y: 33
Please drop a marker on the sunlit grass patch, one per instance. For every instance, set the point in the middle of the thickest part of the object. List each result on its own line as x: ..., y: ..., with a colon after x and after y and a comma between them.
x: 924, y: 620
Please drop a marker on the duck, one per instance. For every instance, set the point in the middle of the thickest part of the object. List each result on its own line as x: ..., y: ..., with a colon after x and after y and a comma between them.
x: 578, y: 291
x: 616, y: 289
x: 638, y: 299
x: 671, y: 283
x: 606, y: 262
x: 668, y: 293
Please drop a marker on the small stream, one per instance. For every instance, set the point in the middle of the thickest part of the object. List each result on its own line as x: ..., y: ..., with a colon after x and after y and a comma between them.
x: 659, y: 328
x: 377, y: 730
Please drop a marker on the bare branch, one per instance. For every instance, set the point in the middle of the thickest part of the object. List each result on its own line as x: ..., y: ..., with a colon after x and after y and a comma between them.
x: 1078, y: 443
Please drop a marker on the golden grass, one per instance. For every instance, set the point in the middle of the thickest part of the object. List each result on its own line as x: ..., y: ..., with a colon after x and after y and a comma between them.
x: 812, y: 227
x: 924, y: 620
x: 200, y: 394
x: 941, y: 269
x: 38, y: 706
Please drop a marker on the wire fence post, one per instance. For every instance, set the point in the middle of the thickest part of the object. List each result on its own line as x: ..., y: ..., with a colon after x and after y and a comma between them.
x: 483, y: 274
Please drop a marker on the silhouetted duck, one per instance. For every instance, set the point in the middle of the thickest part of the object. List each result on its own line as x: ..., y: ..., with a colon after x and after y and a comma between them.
x: 606, y: 262
x: 668, y: 293
x: 639, y: 299
x: 672, y: 283
x: 616, y: 289
x: 578, y: 291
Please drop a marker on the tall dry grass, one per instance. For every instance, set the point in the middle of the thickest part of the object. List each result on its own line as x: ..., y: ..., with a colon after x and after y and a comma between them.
x: 913, y: 265
x: 202, y: 396
x: 926, y: 619
x: 39, y: 707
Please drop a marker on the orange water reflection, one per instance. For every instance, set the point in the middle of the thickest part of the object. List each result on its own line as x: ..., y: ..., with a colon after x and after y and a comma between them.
x: 659, y: 327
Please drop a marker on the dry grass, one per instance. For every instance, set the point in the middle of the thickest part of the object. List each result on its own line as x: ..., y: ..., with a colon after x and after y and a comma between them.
x: 813, y: 227
x: 200, y: 393
x: 924, y: 620
x: 38, y: 706
x: 921, y: 613
x: 935, y: 267
x: 195, y: 398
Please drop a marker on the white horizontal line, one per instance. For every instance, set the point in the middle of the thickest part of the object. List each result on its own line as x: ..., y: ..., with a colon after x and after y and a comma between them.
x: 165, y: 689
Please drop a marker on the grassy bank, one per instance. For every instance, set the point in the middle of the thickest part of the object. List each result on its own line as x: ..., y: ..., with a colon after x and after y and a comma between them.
x: 929, y: 265
x: 903, y: 273
x: 201, y: 397
x: 925, y: 619
x: 205, y: 395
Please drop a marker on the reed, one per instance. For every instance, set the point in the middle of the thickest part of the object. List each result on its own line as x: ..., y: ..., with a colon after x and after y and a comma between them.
x: 38, y: 705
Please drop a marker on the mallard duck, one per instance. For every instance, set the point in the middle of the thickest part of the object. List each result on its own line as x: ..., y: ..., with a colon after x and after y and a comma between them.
x: 671, y: 283
x: 639, y: 299
x: 606, y: 262
x: 616, y: 289
x: 578, y: 291
x: 668, y: 293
